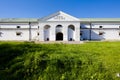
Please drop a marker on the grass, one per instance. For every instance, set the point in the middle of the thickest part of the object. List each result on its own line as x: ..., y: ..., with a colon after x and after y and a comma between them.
x: 30, y: 61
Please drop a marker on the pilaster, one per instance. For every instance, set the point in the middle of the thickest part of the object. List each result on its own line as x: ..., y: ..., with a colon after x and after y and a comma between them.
x: 77, y: 33
x: 65, y: 33
x: 41, y: 30
x: 52, y: 33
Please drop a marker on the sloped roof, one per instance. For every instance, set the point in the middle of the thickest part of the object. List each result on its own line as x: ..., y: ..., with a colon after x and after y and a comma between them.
x: 81, y: 19
x: 99, y: 19
x: 59, y: 16
x: 18, y: 19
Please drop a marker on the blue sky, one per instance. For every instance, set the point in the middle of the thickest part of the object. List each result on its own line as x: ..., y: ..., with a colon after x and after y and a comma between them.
x: 77, y: 8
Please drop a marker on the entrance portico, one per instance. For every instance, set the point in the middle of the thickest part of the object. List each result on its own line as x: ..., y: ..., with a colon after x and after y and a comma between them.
x: 59, y: 27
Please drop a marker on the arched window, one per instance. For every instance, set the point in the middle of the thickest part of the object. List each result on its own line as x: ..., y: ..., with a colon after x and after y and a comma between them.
x: 59, y: 26
x: 71, y: 27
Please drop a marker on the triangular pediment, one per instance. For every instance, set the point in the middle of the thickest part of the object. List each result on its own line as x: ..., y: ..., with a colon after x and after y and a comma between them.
x: 59, y: 16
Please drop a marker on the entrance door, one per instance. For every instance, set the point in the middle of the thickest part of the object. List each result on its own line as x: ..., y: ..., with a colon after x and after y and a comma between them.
x: 59, y: 36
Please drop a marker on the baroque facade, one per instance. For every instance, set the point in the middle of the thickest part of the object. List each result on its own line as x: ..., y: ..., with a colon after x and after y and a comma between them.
x: 59, y: 27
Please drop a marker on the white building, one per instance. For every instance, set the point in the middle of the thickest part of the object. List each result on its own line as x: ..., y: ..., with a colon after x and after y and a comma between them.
x: 60, y: 27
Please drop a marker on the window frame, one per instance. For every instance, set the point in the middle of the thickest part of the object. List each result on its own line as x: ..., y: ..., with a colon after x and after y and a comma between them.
x: 18, y: 33
x: 101, y: 33
x: 18, y: 27
x: 100, y: 26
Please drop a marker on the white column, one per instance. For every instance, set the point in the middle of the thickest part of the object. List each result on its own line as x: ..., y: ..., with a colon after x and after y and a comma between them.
x: 65, y: 33
x: 52, y: 33
x: 77, y: 33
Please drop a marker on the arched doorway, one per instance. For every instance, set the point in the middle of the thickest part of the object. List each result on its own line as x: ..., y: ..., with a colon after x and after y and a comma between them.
x: 59, y: 33
x: 59, y: 36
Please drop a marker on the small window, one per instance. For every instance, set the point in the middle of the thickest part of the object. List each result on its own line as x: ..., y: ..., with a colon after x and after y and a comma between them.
x: 101, y: 33
x: 100, y: 26
x: 18, y: 26
x: 18, y: 33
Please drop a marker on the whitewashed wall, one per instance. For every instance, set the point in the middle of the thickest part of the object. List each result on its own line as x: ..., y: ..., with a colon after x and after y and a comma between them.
x: 111, y: 31
x: 64, y: 30
x: 14, y: 25
x: 106, y: 25
x: 35, y: 32
x: 9, y: 31
x: 11, y: 35
x: 85, y: 34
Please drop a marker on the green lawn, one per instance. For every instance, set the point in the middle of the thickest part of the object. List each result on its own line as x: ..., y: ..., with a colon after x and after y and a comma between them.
x: 88, y: 61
